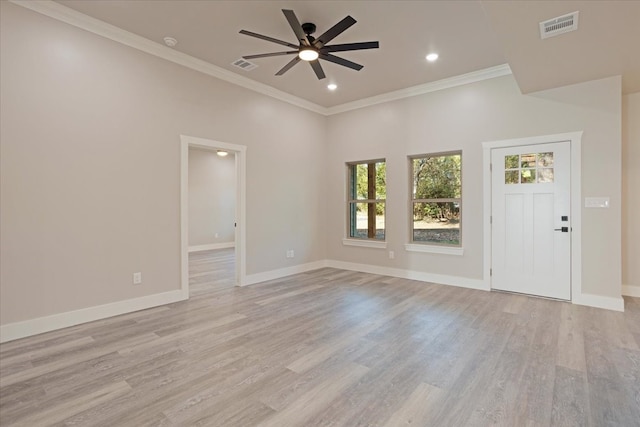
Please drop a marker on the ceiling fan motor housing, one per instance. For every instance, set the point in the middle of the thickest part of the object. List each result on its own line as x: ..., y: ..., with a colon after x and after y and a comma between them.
x: 308, y: 28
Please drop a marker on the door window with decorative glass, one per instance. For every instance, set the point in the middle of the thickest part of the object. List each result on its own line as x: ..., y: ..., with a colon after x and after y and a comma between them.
x: 528, y: 168
x: 366, y: 189
x: 436, y: 199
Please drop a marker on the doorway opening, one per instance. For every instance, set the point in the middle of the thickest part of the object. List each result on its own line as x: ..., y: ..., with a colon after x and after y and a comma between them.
x: 225, y: 240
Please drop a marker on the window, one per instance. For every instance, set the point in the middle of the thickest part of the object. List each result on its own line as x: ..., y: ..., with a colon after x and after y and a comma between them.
x: 436, y: 200
x: 528, y: 168
x: 366, y: 191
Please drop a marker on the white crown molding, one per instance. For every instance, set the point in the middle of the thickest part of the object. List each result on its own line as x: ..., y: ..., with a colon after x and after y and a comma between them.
x: 67, y: 15
x: 463, y: 79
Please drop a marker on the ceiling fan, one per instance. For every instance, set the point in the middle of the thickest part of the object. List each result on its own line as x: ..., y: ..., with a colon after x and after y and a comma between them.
x: 312, y: 49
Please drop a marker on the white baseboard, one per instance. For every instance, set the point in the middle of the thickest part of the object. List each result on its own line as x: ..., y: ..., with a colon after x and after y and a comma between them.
x: 211, y: 246
x: 440, y: 279
x: 598, y: 301
x: 631, y: 291
x: 17, y: 330
x: 251, y: 279
x: 27, y: 328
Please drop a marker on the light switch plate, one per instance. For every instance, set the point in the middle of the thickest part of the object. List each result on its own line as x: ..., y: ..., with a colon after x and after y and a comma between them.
x: 596, y: 202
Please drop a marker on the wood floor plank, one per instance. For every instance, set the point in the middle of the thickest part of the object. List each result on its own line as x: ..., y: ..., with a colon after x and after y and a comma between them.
x: 331, y: 348
x: 571, y: 340
x: 238, y: 413
x: 570, y: 398
x: 414, y: 411
x: 605, y: 378
x: 15, y: 400
x: 378, y: 394
x: 37, y: 356
x: 87, y: 354
x: 285, y: 389
x: 309, y: 404
x: 346, y: 336
x: 535, y: 398
x: 471, y: 383
x: 66, y: 408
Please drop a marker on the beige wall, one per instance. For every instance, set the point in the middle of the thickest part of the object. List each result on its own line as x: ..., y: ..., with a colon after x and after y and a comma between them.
x: 212, y: 198
x: 463, y: 118
x: 90, y: 158
x: 631, y: 191
x: 90, y: 168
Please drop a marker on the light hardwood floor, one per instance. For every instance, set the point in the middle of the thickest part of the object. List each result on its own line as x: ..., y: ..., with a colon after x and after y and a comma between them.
x: 211, y: 270
x: 332, y: 348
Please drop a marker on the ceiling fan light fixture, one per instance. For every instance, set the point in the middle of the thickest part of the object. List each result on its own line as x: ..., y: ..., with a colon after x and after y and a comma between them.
x: 332, y: 86
x: 308, y: 54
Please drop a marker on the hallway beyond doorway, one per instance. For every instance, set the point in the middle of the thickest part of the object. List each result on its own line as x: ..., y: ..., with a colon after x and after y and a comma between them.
x: 211, y: 270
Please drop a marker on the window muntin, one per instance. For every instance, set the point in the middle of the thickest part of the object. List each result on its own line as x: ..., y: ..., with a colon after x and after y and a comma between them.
x: 366, y: 194
x: 528, y: 168
x: 436, y: 199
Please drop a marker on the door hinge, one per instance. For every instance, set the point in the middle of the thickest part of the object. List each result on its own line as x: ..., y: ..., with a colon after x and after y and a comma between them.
x: 491, y: 219
x: 490, y: 167
x: 491, y: 272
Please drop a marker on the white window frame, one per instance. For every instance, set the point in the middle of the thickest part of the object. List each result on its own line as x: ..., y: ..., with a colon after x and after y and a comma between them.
x: 432, y: 247
x: 362, y: 241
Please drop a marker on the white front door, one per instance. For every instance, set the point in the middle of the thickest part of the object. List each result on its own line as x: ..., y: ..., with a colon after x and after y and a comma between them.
x: 531, y: 219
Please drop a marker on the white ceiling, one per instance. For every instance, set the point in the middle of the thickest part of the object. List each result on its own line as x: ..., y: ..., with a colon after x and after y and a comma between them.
x: 607, y: 42
x: 468, y: 35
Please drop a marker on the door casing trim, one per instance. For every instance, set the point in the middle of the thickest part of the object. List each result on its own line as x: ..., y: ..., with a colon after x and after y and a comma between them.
x: 240, y: 152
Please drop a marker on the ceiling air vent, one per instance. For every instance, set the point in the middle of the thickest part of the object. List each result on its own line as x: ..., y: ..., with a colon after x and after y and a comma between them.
x: 560, y: 25
x: 244, y: 64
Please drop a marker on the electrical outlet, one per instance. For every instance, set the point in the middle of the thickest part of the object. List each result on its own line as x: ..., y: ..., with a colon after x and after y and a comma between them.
x: 137, y: 278
x: 216, y: 235
x: 391, y: 255
x: 293, y: 254
x: 290, y: 253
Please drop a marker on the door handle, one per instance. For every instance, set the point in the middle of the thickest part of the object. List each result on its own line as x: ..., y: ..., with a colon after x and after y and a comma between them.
x: 562, y: 229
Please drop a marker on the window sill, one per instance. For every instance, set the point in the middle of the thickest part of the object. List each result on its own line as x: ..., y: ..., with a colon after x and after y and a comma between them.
x: 365, y: 243
x: 433, y: 249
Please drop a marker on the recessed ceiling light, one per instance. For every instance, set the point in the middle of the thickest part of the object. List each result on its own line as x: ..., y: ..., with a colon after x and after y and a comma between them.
x: 332, y: 86
x: 432, y: 57
x: 170, y: 41
x: 222, y: 153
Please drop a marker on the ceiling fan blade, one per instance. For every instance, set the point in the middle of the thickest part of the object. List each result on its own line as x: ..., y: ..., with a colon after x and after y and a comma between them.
x: 334, y: 31
x: 296, y: 27
x: 341, y: 61
x: 290, y: 64
x: 267, y: 55
x: 269, y: 39
x: 317, y: 68
x: 350, y: 46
